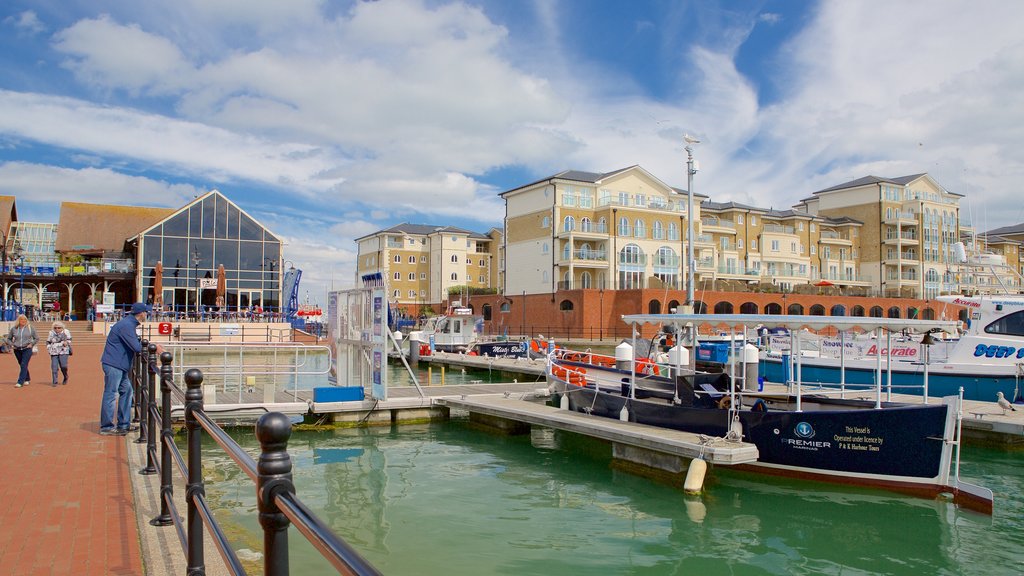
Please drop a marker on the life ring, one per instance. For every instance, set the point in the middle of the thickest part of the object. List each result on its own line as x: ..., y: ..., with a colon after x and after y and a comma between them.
x: 724, y: 403
x: 164, y: 328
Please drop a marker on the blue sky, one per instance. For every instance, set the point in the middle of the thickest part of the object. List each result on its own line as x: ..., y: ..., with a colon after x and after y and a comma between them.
x: 327, y: 120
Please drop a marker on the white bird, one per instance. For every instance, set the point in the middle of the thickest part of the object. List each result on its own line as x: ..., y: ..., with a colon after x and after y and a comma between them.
x: 1004, y: 403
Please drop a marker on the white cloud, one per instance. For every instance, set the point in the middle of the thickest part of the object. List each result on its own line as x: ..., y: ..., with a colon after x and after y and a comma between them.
x: 38, y: 183
x: 26, y: 21
x: 176, y: 146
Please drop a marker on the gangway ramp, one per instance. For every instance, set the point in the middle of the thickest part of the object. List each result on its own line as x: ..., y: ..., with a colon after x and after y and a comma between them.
x: 651, y: 438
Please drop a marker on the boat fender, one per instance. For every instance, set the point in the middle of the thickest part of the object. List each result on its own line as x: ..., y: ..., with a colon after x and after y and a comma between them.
x: 759, y: 406
x: 694, y: 482
x: 624, y: 413
x: 563, y: 403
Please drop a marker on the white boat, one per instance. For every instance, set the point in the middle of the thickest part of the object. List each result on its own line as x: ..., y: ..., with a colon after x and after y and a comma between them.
x: 848, y: 435
x: 986, y: 359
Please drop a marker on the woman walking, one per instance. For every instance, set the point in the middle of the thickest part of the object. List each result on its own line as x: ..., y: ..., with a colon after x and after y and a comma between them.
x: 58, y: 344
x: 22, y: 337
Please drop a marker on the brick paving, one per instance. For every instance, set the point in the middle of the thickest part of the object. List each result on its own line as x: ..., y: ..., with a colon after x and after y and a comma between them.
x: 66, y: 500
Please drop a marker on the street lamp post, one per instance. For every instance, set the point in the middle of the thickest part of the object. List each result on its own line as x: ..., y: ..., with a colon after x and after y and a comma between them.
x: 21, y: 285
x: 3, y: 278
x: 601, y: 317
x: 524, y: 312
x: 195, y: 263
x: 691, y: 169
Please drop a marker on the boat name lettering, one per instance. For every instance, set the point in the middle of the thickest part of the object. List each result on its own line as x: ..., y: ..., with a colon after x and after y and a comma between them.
x: 806, y: 444
x: 971, y: 303
x: 998, y: 351
x: 901, y: 351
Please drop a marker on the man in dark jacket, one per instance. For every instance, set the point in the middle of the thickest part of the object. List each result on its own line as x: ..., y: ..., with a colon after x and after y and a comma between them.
x: 122, y: 345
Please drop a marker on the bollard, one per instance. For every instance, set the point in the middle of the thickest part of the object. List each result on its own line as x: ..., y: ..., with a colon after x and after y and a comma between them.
x: 139, y: 392
x: 166, y: 437
x: 150, y: 420
x: 273, y: 475
x: 194, y: 487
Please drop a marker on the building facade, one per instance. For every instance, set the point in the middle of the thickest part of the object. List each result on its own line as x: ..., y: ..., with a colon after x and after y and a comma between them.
x: 423, y: 264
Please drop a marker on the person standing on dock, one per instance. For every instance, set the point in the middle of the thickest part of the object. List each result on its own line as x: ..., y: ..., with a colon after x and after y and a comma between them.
x: 23, y: 339
x: 58, y: 345
x: 122, y: 345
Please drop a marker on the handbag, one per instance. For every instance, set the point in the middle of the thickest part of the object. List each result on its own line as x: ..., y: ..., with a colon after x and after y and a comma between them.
x: 71, y: 351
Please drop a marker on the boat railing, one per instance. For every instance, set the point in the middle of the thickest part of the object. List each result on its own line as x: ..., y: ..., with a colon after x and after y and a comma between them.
x: 278, y: 504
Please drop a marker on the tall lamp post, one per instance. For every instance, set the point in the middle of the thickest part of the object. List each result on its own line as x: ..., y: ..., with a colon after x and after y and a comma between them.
x: 21, y: 286
x: 601, y: 317
x: 691, y: 169
x: 3, y: 277
x: 195, y: 263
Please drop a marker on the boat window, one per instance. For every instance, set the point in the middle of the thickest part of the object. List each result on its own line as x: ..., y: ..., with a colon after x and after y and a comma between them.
x: 1011, y: 324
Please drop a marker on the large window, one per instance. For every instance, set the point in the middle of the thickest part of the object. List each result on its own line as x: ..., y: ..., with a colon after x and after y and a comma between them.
x: 194, y: 243
x: 1012, y: 324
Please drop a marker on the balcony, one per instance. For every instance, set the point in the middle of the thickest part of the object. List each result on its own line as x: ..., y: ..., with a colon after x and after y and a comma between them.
x: 590, y: 230
x: 586, y: 259
x: 718, y: 225
x: 904, y: 217
x: 908, y: 238
x: 706, y: 239
x: 739, y: 271
x: 778, y: 229
x: 830, y: 237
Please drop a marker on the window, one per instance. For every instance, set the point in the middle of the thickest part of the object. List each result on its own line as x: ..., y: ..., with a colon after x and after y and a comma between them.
x: 1012, y: 324
x: 641, y: 200
x: 412, y: 293
x: 423, y: 293
x: 739, y: 243
x: 423, y: 259
x: 455, y: 275
x: 775, y: 245
x: 739, y: 218
x: 753, y: 220
x: 412, y: 259
x: 412, y: 275
x: 545, y: 222
x: 641, y: 229
x: 423, y: 275
x: 586, y: 198
x: 657, y: 230
x: 455, y: 258
x: 398, y: 275
x: 544, y: 248
x: 800, y: 226
x: 396, y: 294
x: 623, y: 226
x: 481, y: 279
x: 568, y: 224
x: 814, y: 249
x: 812, y: 226
x: 753, y: 244
x: 398, y: 258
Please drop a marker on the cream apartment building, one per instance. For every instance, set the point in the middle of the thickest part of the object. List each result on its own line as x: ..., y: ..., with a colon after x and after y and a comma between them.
x: 421, y: 263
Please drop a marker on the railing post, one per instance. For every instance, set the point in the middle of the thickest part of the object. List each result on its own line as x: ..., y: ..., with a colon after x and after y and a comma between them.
x: 166, y: 437
x: 274, y: 475
x: 139, y: 383
x: 194, y: 487
x: 149, y: 422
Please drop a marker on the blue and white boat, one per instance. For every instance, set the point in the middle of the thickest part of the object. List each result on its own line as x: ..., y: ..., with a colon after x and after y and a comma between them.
x: 987, y: 358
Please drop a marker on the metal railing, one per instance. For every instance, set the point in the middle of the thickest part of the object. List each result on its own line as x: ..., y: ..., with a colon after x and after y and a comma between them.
x: 278, y: 505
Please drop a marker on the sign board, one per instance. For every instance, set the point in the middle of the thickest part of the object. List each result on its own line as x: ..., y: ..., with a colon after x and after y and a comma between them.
x: 230, y: 329
x: 108, y: 298
x: 208, y: 283
x: 357, y: 331
x: 104, y: 308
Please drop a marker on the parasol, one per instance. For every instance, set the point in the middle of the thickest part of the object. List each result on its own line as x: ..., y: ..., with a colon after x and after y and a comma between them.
x: 158, y: 284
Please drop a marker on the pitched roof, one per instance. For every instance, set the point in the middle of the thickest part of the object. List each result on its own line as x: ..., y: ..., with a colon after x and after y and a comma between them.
x: 426, y: 230
x: 8, y: 213
x: 594, y: 178
x: 1014, y: 229
x: 102, y: 227
x: 867, y: 180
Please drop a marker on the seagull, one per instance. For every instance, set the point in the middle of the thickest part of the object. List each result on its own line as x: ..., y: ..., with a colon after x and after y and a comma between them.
x: 1004, y: 403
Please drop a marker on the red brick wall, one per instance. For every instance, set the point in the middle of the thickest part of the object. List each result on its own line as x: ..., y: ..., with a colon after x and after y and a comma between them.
x: 595, y: 314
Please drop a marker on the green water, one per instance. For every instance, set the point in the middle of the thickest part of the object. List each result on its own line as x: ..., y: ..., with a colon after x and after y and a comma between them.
x: 447, y: 499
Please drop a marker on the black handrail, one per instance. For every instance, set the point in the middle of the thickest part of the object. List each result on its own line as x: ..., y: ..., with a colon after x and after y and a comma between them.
x: 279, y: 506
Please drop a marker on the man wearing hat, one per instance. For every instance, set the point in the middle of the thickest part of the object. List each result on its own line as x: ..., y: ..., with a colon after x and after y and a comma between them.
x: 122, y: 345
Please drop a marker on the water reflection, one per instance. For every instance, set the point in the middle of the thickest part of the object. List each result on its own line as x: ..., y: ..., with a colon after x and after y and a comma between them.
x: 448, y: 499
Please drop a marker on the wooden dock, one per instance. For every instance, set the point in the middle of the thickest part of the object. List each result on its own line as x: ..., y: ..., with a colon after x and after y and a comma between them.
x: 661, y: 441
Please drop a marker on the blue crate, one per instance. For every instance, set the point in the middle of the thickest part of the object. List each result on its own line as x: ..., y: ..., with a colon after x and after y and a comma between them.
x: 338, y: 394
x: 716, y: 352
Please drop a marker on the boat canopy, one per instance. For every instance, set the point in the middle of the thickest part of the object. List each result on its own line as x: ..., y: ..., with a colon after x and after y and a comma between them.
x: 794, y: 322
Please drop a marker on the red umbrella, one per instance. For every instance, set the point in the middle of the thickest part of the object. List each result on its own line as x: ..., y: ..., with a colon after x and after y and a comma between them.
x: 158, y: 284
x: 222, y: 281
x: 824, y: 283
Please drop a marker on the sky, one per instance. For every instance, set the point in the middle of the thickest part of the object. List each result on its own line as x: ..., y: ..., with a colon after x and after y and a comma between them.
x: 327, y: 120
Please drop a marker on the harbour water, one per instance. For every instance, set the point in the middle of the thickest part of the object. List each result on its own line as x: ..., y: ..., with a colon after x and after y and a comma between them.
x: 448, y: 499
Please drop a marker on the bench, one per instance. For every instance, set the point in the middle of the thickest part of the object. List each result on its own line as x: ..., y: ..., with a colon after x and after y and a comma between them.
x: 194, y: 337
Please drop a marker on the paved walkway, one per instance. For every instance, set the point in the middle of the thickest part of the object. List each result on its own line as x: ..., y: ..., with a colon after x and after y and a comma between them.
x: 66, y: 499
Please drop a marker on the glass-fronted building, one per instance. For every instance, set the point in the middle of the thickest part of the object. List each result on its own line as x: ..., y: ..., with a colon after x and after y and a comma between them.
x: 180, y: 259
